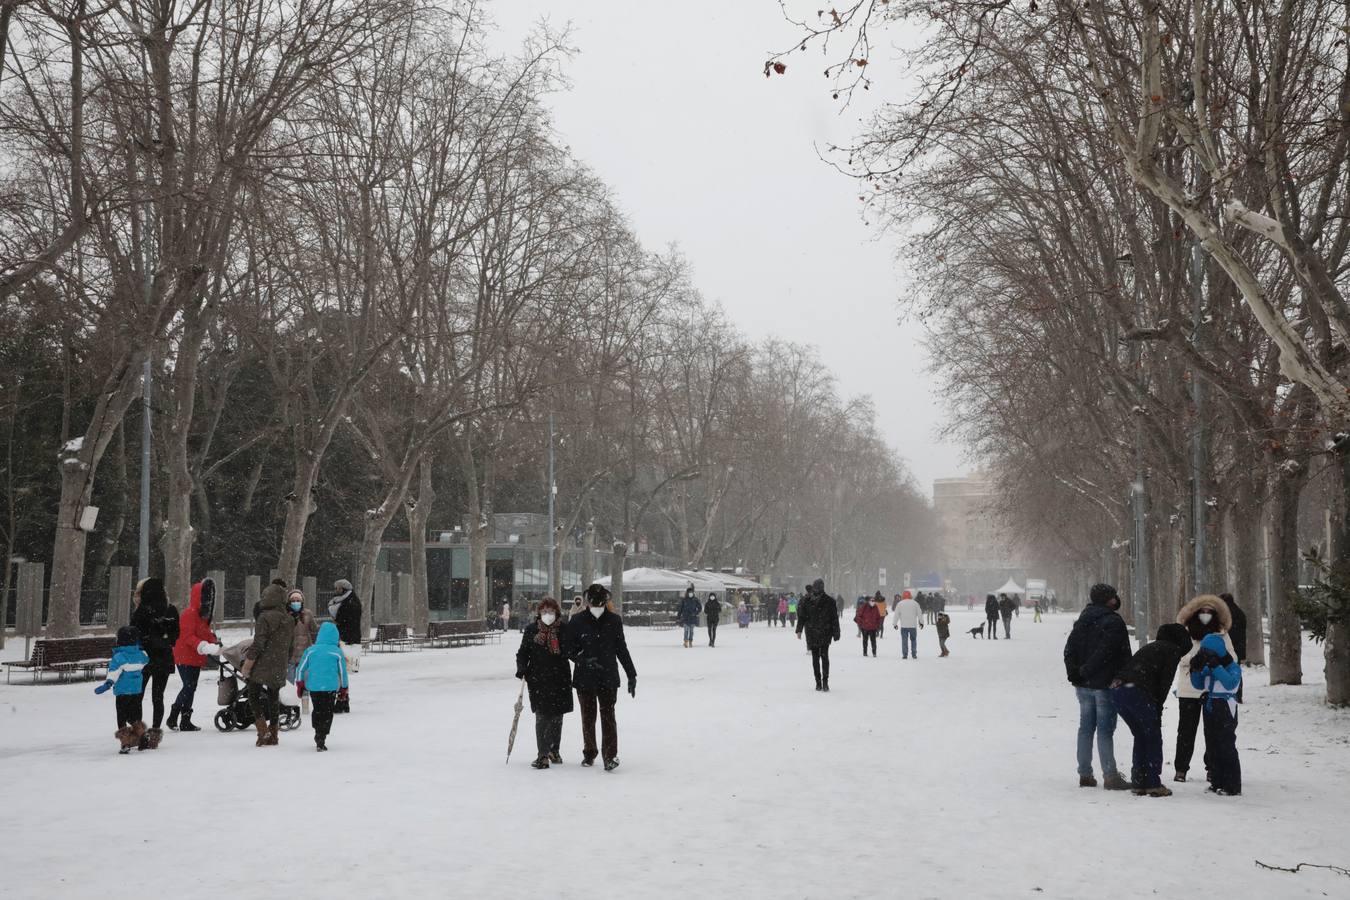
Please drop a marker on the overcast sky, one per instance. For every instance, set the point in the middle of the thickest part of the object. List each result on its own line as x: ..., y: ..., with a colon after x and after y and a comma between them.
x: 669, y: 104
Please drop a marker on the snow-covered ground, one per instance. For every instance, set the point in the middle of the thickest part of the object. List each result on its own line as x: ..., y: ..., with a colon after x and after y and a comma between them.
x: 948, y: 778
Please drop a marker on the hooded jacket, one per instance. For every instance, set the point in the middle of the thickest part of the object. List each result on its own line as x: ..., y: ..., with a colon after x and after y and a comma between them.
x: 907, y: 613
x: 1006, y: 606
x: 1216, y: 677
x: 157, y: 621
x: 689, y: 608
x: 1222, y: 621
x: 271, y: 647
x: 1098, y: 646
x: 944, y: 625
x: 323, y: 668
x: 1153, y: 666
x: 193, y: 629
x: 126, y: 669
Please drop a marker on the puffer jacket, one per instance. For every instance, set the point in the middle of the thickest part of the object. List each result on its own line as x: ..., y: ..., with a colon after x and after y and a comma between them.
x: 270, y: 651
x: 991, y: 607
x: 868, y: 617
x: 689, y: 610
x: 193, y: 629
x: 1220, y: 676
x: 944, y: 625
x: 1098, y: 646
x: 306, y: 633
x: 323, y: 667
x: 126, y: 670
x: 1153, y: 665
x: 157, y: 621
x: 1222, y: 621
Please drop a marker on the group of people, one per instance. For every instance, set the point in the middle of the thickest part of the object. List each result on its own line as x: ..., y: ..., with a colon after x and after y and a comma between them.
x: 1002, y: 607
x: 1202, y: 651
x: 909, y: 613
x: 582, y: 654
x: 288, y: 645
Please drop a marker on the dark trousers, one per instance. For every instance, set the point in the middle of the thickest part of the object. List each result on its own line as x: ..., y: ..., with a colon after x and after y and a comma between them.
x: 321, y: 719
x: 869, y: 637
x: 712, y: 633
x: 263, y: 702
x: 820, y: 663
x: 1225, y: 769
x: 188, y: 675
x: 1188, y: 723
x: 605, y: 698
x: 548, y: 733
x: 128, y: 709
x: 1144, y: 717
x: 155, y: 684
x: 992, y: 628
x: 1007, y: 625
x: 942, y: 644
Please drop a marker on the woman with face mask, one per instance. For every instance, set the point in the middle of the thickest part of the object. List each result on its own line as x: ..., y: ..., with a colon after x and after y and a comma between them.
x: 305, y: 634
x: 596, y: 644
x: 542, y: 662
x: 1203, y: 616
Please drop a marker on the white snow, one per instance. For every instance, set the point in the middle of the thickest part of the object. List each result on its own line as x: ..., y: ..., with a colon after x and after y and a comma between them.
x: 74, y: 445
x: 946, y: 778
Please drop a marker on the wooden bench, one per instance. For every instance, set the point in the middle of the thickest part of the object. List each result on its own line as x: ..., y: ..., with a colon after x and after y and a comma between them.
x: 462, y: 633
x: 392, y: 638
x: 69, y: 658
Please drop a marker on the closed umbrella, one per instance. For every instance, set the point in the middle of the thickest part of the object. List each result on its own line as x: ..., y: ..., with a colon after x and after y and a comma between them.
x: 515, y: 723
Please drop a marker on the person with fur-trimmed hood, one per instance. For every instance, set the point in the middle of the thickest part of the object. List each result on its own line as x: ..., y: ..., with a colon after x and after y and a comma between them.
x: 126, y: 678
x: 1202, y: 616
x: 196, y: 641
x: 156, y: 620
x: 265, y: 663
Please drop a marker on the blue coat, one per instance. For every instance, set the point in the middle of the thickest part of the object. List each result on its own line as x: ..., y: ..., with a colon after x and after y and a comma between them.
x: 125, y: 669
x: 1221, y: 679
x: 689, y: 610
x: 323, y: 668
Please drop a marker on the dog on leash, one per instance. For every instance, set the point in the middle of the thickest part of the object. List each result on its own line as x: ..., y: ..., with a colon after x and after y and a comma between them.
x: 977, y: 631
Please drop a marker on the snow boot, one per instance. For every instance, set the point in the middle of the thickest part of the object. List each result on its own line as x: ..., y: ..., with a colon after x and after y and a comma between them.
x: 1158, y: 791
x: 139, y: 735
x: 540, y: 763
x: 272, y: 740
x: 825, y: 685
x: 186, y: 723
x: 1180, y: 776
x: 1116, y: 782
x: 319, y: 742
x: 611, y: 764
x: 261, y: 724
x: 153, y: 737
x: 173, y: 718
x: 555, y: 758
x: 1086, y: 781
x: 588, y: 762
x: 124, y: 739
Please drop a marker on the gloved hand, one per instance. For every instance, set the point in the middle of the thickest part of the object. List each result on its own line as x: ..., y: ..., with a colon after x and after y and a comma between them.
x: 103, y: 688
x: 1202, y: 660
x: 1225, y: 660
x: 632, y: 688
x: 836, y: 637
x: 299, y: 688
x: 519, y: 674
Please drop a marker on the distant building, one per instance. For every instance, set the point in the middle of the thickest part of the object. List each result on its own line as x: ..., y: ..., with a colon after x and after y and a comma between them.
x: 980, y: 554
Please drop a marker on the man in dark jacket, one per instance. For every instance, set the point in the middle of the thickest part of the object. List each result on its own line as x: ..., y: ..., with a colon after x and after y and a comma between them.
x: 1006, y: 607
x: 818, y: 618
x: 596, y: 644
x: 1139, y: 692
x: 346, y: 612
x: 1098, y: 646
x: 688, y: 614
x: 266, y: 660
x: 712, y: 614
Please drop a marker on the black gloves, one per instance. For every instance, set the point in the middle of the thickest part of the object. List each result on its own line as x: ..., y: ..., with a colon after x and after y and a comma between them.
x: 1203, y: 659
x: 632, y: 688
x: 519, y: 674
x: 1225, y: 660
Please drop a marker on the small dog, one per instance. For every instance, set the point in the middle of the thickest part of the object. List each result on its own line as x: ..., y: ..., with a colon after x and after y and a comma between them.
x: 977, y: 631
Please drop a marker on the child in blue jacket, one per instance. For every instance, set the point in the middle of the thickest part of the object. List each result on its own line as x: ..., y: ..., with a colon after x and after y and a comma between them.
x: 323, y: 672
x: 1216, y: 673
x: 128, y: 686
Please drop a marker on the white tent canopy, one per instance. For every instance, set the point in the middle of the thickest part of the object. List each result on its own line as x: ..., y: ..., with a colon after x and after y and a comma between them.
x: 1010, y: 588
x: 645, y: 579
x: 729, y: 582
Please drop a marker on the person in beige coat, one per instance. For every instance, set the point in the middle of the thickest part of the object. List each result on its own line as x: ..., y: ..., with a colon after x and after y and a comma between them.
x: 1202, y: 616
x: 306, y: 633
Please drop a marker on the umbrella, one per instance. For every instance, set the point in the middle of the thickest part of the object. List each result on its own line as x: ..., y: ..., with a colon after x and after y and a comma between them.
x: 515, y: 723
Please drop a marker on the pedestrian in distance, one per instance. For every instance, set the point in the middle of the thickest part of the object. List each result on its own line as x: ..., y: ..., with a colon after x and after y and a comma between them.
x: 1217, y: 673
x: 782, y: 611
x: 687, y: 615
x: 712, y: 614
x: 542, y: 662
x: 597, y: 647
x: 908, y: 618
x: 265, y: 663
x: 156, y: 620
x: 883, y: 610
x: 793, y: 605
x: 126, y: 679
x: 1202, y: 616
x: 1006, y: 607
x: 321, y: 673
x: 1097, y: 648
x: 991, y: 616
x: 944, y: 631
x: 196, y: 641
x: 820, y: 621
x: 743, y: 614
x: 1139, y: 691
x: 868, y: 620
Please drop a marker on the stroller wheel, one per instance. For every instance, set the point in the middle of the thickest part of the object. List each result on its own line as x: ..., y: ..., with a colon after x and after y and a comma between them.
x: 291, y: 719
x: 224, y: 721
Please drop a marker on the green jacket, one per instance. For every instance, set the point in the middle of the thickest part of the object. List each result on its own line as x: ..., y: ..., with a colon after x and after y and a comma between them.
x: 272, y: 637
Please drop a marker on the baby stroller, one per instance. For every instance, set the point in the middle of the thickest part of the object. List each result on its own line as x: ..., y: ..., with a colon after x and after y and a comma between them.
x: 234, y: 711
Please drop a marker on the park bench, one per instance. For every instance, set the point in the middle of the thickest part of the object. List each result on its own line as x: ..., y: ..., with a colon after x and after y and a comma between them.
x: 465, y: 633
x: 68, y: 658
x: 392, y: 638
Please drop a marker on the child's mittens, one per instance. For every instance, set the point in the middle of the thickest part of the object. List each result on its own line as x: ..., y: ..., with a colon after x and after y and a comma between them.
x: 103, y: 688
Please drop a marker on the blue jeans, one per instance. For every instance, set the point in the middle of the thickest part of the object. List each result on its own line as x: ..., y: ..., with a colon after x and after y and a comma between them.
x: 688, y: 631
x: 1096, y: 713
x: 188, y: 675
x: 909, y: 641
x: 1144, y: 717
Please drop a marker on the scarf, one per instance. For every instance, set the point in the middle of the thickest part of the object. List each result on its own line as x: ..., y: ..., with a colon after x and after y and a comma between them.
x: 547, y: 636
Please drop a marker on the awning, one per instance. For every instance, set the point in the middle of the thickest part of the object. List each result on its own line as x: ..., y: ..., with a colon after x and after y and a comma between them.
x: 645, y: 579
x: 729, y: 582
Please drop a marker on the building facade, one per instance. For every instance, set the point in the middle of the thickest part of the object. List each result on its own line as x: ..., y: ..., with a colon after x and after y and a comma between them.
x: 980, y: 553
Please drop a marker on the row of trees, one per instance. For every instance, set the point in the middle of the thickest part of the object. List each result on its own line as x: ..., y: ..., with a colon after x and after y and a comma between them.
x: 366, y: 276
x: 1130, y: 224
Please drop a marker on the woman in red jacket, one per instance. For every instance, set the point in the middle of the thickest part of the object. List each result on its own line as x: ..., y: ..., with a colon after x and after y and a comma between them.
x: 195, y: 642
x: 868, y: 619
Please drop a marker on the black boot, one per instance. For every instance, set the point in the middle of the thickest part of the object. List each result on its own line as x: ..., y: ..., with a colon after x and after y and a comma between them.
x: 173, y: 718
x: 186, y: 723
x: 825, y: 684
x: 319, y: 744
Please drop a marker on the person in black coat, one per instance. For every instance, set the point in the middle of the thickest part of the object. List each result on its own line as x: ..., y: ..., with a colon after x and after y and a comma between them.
x: 1237, y: 632
x: 596, y: 644
x: 345, y: 610
x: 1097, y: 648
x: 712, y: 614
x: 542, y: 662
x: 1139, y: 691
x: 817, y: 617
x: 991, y: 616
x: 1006, y: 607
x: 687, y: 615
x: 157, y: 621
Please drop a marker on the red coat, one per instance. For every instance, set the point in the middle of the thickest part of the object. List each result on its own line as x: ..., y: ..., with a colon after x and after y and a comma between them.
x: 868, y: 617
x: 192, y: 630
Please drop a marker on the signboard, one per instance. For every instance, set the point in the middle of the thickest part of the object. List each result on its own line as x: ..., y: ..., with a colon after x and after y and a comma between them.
x: 881, y: 577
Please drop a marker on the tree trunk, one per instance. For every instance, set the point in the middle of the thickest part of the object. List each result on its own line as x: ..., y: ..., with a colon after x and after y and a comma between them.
x: 418, y: 514
x: 1336, y: 650
x: 299, y: 507
x: 112, y: 535
x: 587, y: 559
x: 479, y: 529
x: 1246, y: 518
x: 176, y: 542
x: 1286, y: 639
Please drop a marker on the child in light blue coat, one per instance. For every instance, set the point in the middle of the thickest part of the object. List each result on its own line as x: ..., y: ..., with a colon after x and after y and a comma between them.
x: 1214, y: 671
x: 126, y: 679
x: 322, y: 672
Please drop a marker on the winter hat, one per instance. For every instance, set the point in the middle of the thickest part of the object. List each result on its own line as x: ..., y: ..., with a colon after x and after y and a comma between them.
x: 342, y: 584
x: 597, y: 595
x: 1101, y: 594
x: 1175, y: 634
x: 128, y: 636
x: 906, y: 596
x: 818, y: 584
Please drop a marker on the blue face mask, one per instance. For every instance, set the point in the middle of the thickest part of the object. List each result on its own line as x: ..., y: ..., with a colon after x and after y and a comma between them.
x: 295, y: 606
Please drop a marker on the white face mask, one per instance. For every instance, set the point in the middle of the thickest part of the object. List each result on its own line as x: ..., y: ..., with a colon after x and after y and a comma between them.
x: 1205, y: 618
x: 548, y: 618
x: 597, y: 611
